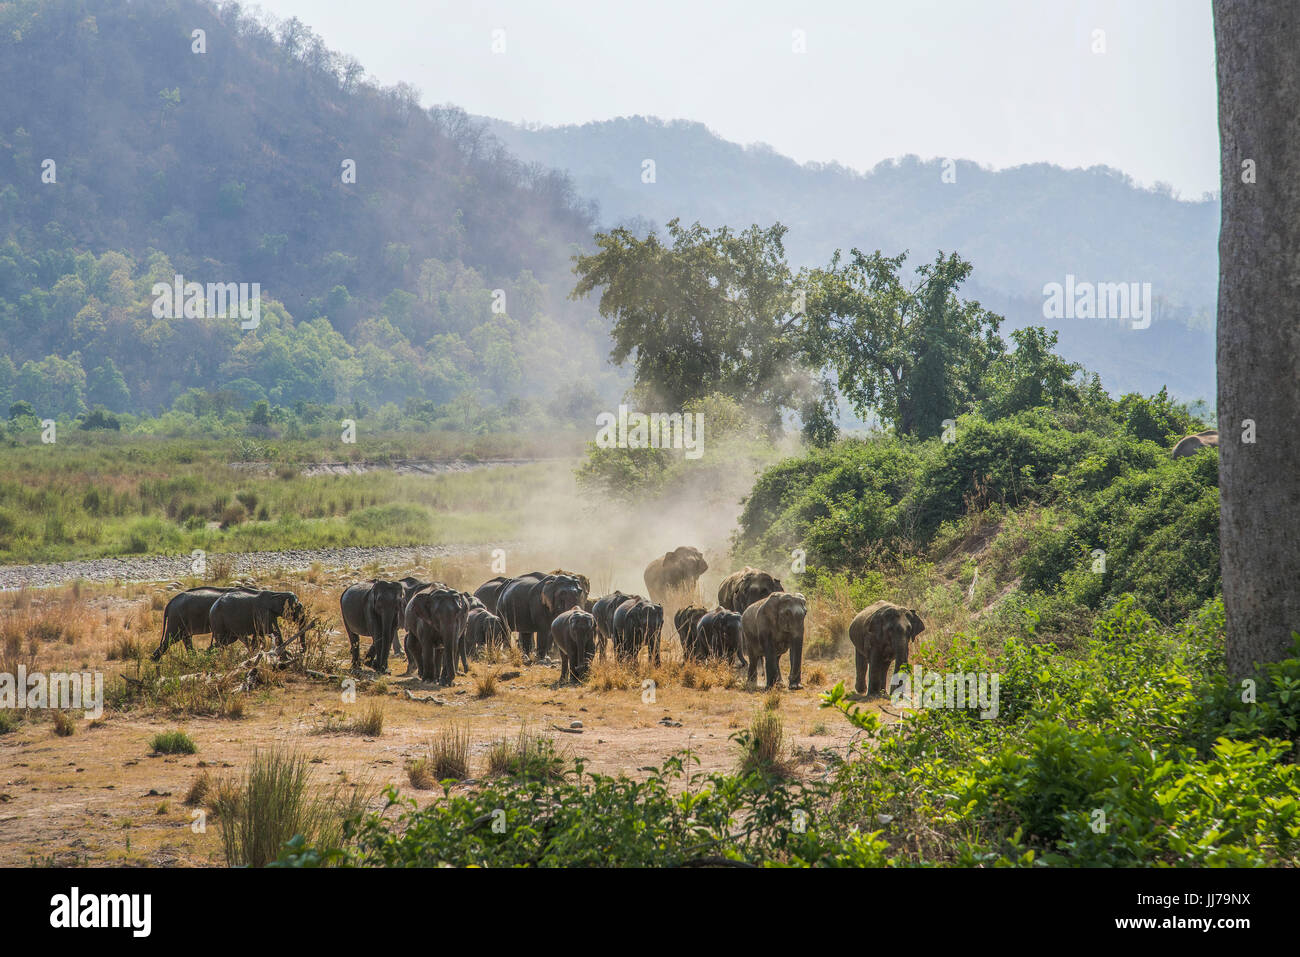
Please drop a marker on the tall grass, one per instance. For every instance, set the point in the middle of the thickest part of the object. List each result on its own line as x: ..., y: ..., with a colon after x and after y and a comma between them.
x: 276, y: 801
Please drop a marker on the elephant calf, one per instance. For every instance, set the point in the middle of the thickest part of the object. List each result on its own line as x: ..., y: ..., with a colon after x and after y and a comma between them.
x: 574, y: 635
x: 603, y: 610
x: 637, y: 623
x: 482, y: 628
x: 685, y: 621
x: 881, y: 634
x: 772, y: 626
x: 720, y: 633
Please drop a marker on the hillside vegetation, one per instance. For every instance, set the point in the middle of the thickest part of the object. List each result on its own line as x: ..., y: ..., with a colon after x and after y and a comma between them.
x: 433, y: 274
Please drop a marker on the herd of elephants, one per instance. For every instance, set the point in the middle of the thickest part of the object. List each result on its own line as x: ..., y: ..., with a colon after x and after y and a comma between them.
x: 755, y: 621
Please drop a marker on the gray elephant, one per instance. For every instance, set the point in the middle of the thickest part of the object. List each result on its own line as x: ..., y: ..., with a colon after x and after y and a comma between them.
x: 721, y: 634
x: 574, y: 635
x: 372, y: 609
x: 881, y: 633
x: 186, y: 615
x: 637, y: 623
x: 528, y: 604
x: 435, y: 626
x: 1192, y: 444
x: 482, y: 628
x: 410, y: 585
x: 772, y: 626
x: 741, y: 589
x: 490, y: 592
x: 677, y: 571
x: 685, y: 621
x: 247, y: 615
x: 603, y: 610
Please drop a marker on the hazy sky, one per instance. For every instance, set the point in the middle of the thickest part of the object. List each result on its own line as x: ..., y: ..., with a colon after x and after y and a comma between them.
x: 1000, y: 82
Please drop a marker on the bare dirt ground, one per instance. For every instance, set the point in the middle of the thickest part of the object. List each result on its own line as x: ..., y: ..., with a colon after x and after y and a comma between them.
x: 100, y: 796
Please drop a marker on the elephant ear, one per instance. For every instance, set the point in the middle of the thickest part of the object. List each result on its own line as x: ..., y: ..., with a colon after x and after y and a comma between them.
x: 548, y: 593
x: 914, y: 620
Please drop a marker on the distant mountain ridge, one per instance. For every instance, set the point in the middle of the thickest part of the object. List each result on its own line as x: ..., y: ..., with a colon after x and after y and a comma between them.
x: 1022, y: 228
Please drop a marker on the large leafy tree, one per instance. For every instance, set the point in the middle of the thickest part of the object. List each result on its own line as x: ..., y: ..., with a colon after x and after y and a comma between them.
x: 913, y: 354
x: 699, y: 312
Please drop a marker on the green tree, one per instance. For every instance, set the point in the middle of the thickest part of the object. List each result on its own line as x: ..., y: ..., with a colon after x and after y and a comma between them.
x: 914, y: 355
x: 1032, y: 375
x: 105, y: 386
x: 709, y: 311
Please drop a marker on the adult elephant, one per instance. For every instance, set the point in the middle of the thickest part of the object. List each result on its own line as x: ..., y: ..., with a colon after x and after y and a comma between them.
x: 186, y: 615
x: 373, y: 610
x: 638, y: 623
x: 881, y: 634
x: 435, y: 626
x: 677, y: 571
x: 603, y: 611
x: 574, y: 634
x: 741, y: 589
x: 721, y: 634
x: 685, y: 621
x: 583, y: 582
x: 772, y: 626
x: 528, y: 604
x: 489, y: 593
x: 247, y: 615
x: 1192, y: 444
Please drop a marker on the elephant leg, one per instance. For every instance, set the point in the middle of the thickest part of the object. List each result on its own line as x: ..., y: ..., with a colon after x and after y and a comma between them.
x: 412, y: 653
x: 878, y: 665
x: 354, y: 644
x: 753, y: 667
x: 187, y: 637
x: 859, y: 670
x: 428, y: 660
x: 771, y: 666
x: 397, y: 645
x: 796, y: 665
x: 526, y: 643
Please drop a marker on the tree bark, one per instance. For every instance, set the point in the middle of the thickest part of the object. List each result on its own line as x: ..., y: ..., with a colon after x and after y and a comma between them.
x: 1258, y: 45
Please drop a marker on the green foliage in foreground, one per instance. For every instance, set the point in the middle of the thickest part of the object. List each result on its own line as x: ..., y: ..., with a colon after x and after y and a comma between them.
x: 1137, y: 752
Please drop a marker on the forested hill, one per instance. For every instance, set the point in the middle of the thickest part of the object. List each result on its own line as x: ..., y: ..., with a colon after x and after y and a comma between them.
x: 228, y: 165
x: 1021, y: 228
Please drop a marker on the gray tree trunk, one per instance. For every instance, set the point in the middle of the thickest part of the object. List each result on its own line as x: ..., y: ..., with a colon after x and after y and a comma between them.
x: 1258, y: 43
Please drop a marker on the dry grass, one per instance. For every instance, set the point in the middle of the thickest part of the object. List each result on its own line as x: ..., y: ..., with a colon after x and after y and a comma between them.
x: 370, y: 723
x: 64, y: 724
x: 763, y: 748
x: 527, y: 755
x: 485, y: 682
x: 446, y: 757
x: 277, y: 800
